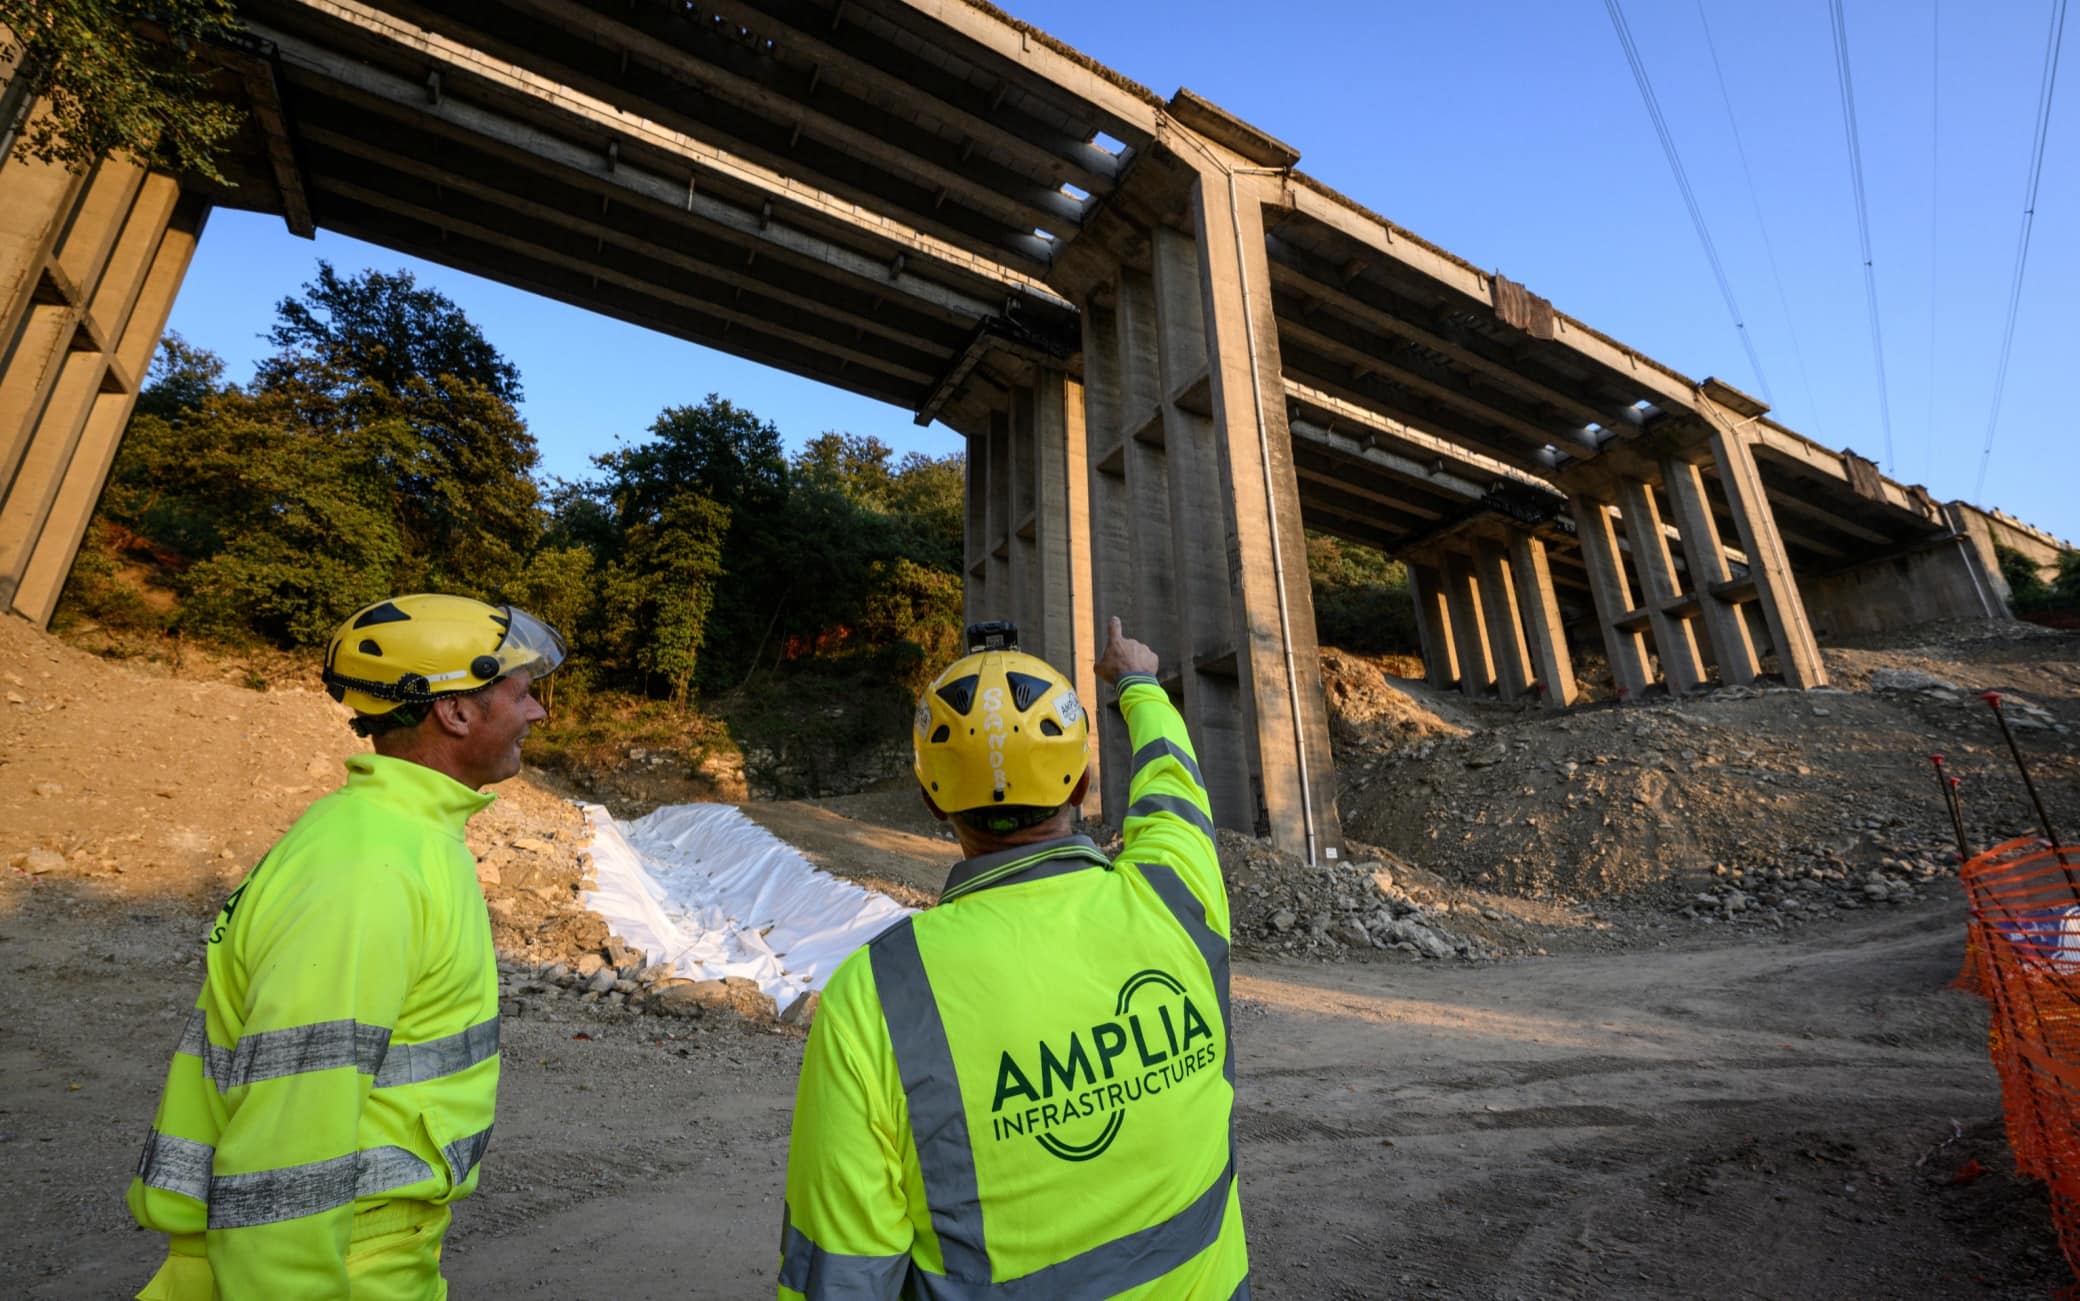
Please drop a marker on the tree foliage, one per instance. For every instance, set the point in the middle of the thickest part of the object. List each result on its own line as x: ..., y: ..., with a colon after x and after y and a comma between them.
x: 119, y: 77
x: 335, y: 478
x: 378, y: 450
x: 1361, y: 598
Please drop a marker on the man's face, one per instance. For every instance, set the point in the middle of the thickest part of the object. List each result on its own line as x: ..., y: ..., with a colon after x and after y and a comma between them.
x: 509, y: 711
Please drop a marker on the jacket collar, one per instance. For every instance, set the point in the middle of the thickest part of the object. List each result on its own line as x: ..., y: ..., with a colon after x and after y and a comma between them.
x: 1022, y: 862
x: 416, y: 790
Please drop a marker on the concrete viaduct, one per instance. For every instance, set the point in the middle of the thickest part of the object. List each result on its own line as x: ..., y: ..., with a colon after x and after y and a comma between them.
x: 1170, y: 351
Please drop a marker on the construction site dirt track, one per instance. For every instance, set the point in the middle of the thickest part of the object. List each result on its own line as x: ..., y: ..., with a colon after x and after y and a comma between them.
x: 1806, y: 1112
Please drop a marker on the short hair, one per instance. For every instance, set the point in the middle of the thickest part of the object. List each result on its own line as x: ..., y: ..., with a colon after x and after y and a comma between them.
x: 1003, y: 819
x: 401, y: 719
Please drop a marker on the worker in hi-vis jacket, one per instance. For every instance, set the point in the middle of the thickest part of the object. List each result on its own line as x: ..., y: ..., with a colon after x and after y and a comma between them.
x: 1027, y: 1090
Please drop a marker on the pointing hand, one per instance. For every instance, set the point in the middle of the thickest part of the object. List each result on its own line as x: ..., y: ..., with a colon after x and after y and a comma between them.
x: 1122, y: 654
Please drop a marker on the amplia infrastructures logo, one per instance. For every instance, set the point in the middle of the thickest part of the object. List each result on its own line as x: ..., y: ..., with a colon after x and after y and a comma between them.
x: 1156, y: 1040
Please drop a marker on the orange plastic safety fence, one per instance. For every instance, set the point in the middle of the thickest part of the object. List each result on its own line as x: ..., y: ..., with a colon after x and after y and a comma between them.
x: 2023, y: 954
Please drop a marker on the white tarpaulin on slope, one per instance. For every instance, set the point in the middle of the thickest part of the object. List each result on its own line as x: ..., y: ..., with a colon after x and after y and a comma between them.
x: 712, y: 893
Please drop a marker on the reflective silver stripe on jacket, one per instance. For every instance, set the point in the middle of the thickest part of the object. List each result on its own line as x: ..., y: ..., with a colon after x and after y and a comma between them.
x: 183, y: 1166
x: 295, y: 1050
x: 1161, y: 746
x: 464, y: 1153
x: 1176, y: 804
x: 328, y: 1045
x: 448, y: 1055
x: 176, y: 1165
x: 814, y: 1272
x: 1191, y: 914
x: 924, y: 1061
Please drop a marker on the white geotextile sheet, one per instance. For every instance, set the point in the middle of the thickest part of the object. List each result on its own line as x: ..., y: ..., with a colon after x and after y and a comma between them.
x: 712, y: 893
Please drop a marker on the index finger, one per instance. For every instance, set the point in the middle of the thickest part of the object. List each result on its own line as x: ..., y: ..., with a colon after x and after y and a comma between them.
x: 1112, y: 629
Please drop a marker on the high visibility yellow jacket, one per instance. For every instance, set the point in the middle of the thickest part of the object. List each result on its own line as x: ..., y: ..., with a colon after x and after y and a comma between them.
x: 1026, y: 1091
x: 343, y: 1053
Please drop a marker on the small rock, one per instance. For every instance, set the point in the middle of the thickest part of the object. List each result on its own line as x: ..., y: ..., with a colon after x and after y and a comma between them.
x: 802, y: 1010
x: 1350, y: 935
x: 47, y: 790
x: 531, y: 845
x: 589, y: 964
x: 1283, y: 919
x: 602, y: 980
x: 676, y: 997
x: 38, y: 861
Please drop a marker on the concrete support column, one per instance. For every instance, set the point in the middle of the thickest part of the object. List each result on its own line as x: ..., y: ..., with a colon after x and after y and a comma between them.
x: 1512, y: 659
x: 996, y: 539
x: 1112, y: 572
x: 975, y: 593
x: 1673, y: 636
x: 1208, y: 681
x: 1277, y: 658
x: 75, y: 358
x: 1063, y: 623
x: 1022, y: 559
x: 1612, y: 594
x: 1462, y: 599
x: 1540, y: 608
x: 1705, y: 555
x: 1776, y: 591
x: 1433, y: 625
x: 1147, y: 468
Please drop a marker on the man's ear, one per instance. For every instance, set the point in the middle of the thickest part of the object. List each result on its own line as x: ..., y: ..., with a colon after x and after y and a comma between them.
x: 929, y: 804
x: 453, y: 716
x: 1083, y: 788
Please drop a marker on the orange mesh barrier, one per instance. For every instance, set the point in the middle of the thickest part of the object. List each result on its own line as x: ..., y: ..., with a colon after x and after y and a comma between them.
x: 2023, y: 954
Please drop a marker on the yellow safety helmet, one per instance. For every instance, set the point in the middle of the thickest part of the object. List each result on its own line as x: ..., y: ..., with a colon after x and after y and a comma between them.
x: 411, y: 649
x: 1000, y: 729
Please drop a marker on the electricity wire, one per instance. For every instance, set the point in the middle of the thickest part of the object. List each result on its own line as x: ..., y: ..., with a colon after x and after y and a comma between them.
x: 1675, y: 165
x: 1863, y: 215
x: 1768, y: 245
x: 2046, y: 85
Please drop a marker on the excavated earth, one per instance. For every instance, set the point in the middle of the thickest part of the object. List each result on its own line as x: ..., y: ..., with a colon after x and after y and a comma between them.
x: 1631, y: 1002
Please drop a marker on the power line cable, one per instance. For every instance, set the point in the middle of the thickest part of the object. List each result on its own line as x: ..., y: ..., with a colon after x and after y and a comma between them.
x: 1675, y: 165
x: 1863, y: 216
x: 2046, y: 85
x: 1768, y: 245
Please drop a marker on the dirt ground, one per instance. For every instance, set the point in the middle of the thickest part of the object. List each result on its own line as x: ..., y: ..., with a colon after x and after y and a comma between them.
x: 1665, y: 1105
x: 1775, y: 1121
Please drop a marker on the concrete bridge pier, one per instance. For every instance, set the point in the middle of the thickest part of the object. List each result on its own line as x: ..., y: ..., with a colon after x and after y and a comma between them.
x: 1488, y: 616
x: 89, y: 265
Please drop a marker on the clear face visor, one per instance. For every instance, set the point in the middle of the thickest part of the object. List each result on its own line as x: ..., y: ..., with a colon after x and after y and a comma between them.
x: 529, y: 646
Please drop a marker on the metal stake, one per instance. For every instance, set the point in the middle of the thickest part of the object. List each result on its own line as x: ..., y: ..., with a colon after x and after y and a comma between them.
x: 1993, y: 700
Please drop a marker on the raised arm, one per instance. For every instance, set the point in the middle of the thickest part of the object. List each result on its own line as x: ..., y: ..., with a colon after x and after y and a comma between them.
x: 1168, y: 817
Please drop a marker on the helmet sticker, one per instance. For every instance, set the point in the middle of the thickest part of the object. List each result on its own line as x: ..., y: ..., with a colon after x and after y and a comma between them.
x: 924, y: 718
x: 1068, y: 708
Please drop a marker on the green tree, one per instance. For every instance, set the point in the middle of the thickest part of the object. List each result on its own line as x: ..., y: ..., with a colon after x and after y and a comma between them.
x: 660, y: 591
x: 1361, y: 598
x: 121, y: 77
x: 855, y: 466
x: 382, y: 327
x: 557, y: 585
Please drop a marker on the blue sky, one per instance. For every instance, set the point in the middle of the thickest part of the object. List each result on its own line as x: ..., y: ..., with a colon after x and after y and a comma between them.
x: 1512, y: 133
